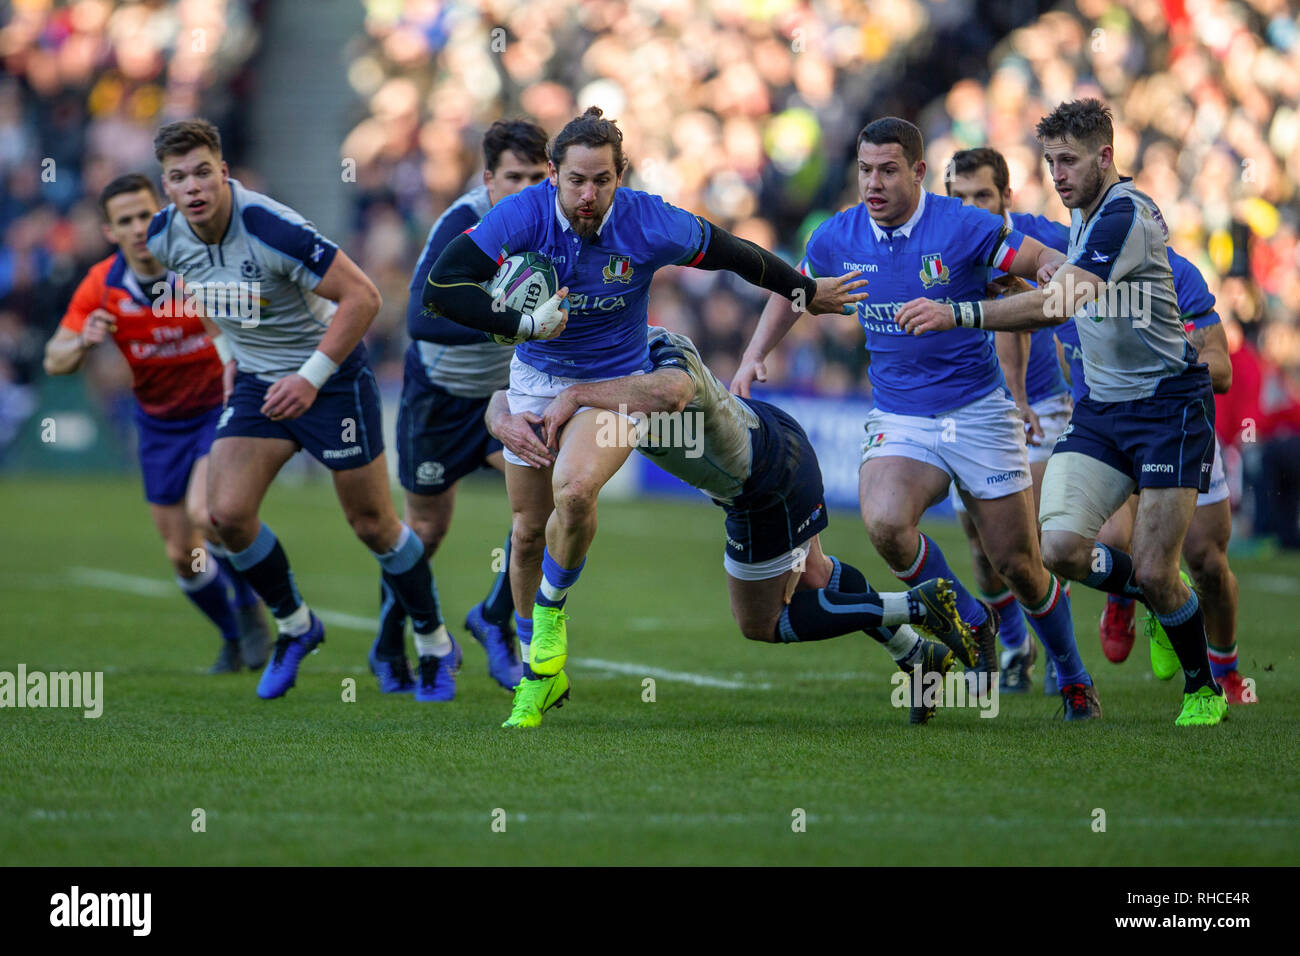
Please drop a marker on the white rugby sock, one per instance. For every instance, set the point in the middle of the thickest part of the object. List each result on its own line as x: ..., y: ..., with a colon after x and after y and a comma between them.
x: 297, y: 623
x: 437, y: 644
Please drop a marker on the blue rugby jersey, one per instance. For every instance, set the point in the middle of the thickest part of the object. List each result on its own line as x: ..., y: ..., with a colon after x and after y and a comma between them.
x: 943, y: 253
x: 1195, y: 307
x: 1043, y: 375
x: 608, y: 275
x: 462, y: 360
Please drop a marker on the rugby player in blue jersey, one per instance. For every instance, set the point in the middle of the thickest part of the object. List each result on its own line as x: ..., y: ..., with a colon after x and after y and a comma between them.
x: 1206, y: 546
x: 1147, y: 421
x: 290, y: 309
x: 606, y: 242
x: 942, y: 409
x: 450, y: 372
x: 754, y: 460
x: 1032, y: 367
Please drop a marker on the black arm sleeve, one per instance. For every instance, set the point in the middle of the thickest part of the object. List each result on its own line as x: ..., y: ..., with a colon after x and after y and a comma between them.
x: 454, y: 290
x: 754, y: 264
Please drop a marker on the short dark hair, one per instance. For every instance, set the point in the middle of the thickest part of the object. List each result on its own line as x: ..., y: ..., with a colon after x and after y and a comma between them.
x: 130, y: 183
x: 590, y: 130
x: 891, y: 129
x: 966, y: 161
x: 1086, y: 121
x: 177, y: 139
x: 526, y: 140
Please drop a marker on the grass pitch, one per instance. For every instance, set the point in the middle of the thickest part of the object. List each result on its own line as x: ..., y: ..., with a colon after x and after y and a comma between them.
x: 738, y: 739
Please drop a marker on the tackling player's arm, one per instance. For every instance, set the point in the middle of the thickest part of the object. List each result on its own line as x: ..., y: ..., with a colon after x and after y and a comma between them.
x: 1013, y: 355
x: 1211, y: 344
x: 358, y: 303
x: 778, y: 318
x: 516, y: 431
x: 663, y: 390
x: 455, y: 290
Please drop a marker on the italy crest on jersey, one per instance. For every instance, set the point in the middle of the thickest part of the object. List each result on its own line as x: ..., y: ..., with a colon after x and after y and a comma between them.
x: 933, y: 270
x: 618, y: 270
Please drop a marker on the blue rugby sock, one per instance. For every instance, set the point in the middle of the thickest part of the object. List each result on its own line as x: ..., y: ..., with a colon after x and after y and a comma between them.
x: 821, y: 614
x: 524, y: 630
x: 244, y: 595
x: 556, y: 581
x: 1186, y: 630
x: 391, y: 641
x: 500, y: 602
x: 408, y: 576
x: 1052, y: 622
x: 265, y: 567
x: 207, y: 590
x: 1011, y: 622
x: 1112, y: 571
x: 930, y: 563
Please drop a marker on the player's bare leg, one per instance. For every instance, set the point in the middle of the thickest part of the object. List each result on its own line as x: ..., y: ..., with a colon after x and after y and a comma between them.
x: 429, y: 516
x: 531, y: 504
x: 240, y: 470
x: 1206, y: 551
x: 593, y: 446
x: 1008, y: 530
x: 255, y: 638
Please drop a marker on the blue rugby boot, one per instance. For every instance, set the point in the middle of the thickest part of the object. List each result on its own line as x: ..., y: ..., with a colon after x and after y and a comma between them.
x: 282, y: 669
x: 504, y: 665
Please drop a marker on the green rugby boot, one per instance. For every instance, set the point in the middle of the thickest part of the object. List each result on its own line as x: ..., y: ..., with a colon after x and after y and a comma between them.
x: 535, y: 697
x: 1203, y: 708
x: 1164, y: 662
x: 550, y: 647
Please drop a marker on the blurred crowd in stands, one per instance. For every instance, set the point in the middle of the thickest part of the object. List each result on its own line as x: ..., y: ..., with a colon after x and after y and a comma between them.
x: 744, y: 111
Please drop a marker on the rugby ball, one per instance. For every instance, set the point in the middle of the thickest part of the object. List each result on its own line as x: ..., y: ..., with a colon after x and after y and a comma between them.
x: 524, y: 281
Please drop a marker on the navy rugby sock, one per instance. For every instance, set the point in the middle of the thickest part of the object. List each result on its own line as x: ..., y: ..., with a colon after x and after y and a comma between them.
x: 1186, y: 630
x: 500, y: 602
x: 207, y: 590
x: 1112, y: 571
x: 392, y: 623
x: 265, y: 567
x: 409, y: 577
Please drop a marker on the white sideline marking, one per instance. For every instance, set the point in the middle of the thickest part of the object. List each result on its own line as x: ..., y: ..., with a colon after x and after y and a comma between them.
x: 640, y: 670
x: 1272, y: 583
x: 151, y: 587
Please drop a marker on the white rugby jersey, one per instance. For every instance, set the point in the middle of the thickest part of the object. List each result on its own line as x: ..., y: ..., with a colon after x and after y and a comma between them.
x: 256, y: 283
x: 1132, y: 337
x: 721, y: 460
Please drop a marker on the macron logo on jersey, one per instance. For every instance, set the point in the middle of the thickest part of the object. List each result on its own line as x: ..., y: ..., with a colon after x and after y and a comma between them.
x: 860, y: 266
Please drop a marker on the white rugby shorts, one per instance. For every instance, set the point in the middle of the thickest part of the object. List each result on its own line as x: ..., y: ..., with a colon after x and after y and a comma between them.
x: 981, y: 445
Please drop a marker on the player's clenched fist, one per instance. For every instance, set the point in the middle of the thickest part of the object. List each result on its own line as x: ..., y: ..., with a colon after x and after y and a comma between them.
x: 551, y: 317
x: 925, y: 315
x: 288, y: 398
x: 99, y: 325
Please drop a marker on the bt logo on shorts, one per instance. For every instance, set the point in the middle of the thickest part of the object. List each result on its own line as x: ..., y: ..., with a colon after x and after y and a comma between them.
x: 1159, y: 467
x: 1002, y: 476
x: 810, y: 519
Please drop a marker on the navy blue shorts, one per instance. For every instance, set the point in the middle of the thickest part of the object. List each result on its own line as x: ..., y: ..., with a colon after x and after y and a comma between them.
x: 441, y: 437
x: 342, y: 430
x: 168, y: 449
x: 782, y: 504
x: 1165, y: 441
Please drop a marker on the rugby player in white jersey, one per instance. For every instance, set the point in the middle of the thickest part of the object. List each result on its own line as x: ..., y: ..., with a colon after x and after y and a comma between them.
x: 1147, y: 422
x: 289, y: 310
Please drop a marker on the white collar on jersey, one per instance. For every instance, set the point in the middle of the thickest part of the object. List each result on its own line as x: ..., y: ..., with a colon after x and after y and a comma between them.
x: 564, y: 222
x: 905, y: 230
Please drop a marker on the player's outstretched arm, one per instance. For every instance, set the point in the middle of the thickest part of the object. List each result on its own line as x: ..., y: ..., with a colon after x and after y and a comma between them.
x: 1069, y: 290
x: 765, y: 269
x: 455, y: 290
x: 663, y: 390
x: 779, y: 316
x: 358, y: 304
x: 516, y: 431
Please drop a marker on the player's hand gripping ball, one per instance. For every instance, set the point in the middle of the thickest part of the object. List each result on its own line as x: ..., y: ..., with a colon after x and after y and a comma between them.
x: 527, y: 282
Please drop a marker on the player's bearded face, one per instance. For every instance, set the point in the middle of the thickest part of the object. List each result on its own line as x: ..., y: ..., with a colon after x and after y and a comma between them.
x: 586, y: 182
x: 1076, y: 171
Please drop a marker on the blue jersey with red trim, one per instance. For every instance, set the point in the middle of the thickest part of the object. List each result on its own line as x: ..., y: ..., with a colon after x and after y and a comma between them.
x: 608, y: 275
x: 943, y: 253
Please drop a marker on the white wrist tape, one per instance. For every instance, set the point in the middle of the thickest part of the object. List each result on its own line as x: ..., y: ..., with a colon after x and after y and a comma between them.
x: 224, y: 352
x: 318, y: 368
